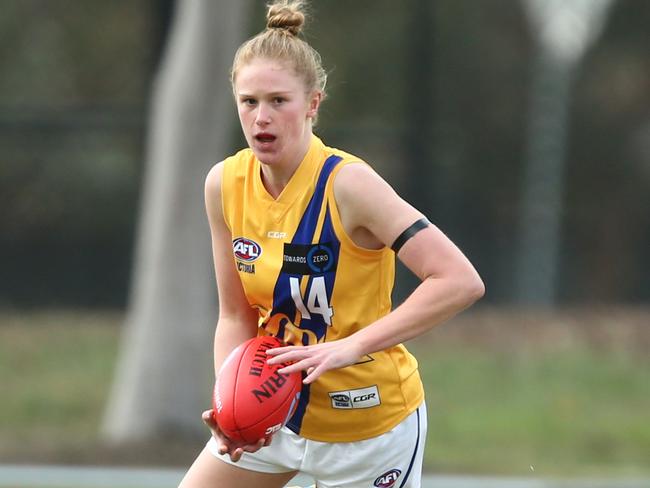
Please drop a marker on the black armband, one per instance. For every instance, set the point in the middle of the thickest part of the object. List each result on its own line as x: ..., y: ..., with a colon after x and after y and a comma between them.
x: 408, y: 233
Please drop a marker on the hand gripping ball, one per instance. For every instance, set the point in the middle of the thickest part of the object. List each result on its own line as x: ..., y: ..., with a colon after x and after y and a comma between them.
x: 252, y: 399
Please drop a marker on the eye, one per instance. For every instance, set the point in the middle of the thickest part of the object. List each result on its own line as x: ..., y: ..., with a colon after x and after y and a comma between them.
x: 248, y: 101
x: 279, y: 100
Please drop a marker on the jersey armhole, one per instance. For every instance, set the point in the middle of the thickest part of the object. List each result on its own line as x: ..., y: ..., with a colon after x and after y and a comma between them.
x: 343, y: 236
x: 225, y: 203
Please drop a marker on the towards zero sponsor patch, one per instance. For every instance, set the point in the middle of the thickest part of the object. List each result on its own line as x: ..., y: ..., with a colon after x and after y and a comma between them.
x: 308, y: 259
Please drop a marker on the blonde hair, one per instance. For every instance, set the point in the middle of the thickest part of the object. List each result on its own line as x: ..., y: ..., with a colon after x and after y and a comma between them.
x: 280, y: 41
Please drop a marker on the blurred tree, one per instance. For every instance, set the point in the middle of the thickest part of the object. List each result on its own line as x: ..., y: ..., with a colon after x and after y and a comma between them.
x: 164, y: 371
x: 564, y: 30
x: 607, y: 230
x: 419, y: 79
x: 72, y: 96
x: 417, y: 138
x: 75, y: 87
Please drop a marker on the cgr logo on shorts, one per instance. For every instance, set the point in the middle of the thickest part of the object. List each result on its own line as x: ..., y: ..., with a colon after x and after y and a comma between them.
x: 388, y: 479
x: 361, y: 398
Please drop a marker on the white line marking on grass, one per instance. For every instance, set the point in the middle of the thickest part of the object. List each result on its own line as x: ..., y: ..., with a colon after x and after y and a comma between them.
x: 32, y: 476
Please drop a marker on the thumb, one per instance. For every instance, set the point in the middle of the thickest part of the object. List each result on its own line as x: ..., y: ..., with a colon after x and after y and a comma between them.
x: 209, y: 418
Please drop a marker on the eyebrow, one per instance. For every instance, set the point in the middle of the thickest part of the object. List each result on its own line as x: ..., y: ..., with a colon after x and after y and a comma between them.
x: 272, y: 94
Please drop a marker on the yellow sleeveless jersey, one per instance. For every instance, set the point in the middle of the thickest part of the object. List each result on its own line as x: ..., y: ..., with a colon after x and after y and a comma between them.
x: 310, y: 283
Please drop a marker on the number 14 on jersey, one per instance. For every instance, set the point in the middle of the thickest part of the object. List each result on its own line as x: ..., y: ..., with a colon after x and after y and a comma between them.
x: 317, y: 301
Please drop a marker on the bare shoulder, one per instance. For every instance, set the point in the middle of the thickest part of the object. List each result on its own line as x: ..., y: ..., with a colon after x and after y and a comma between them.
x: 213, y: 178
x: 213, y: 190
x: 357, y: 169
x: 365, y: 200
x: 355, y: 176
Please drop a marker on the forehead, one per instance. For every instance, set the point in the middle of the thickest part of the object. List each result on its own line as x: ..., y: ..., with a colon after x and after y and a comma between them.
x: 266, y: 75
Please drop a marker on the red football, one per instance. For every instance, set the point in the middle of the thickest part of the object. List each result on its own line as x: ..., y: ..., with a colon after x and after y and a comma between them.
x: 252, y: 399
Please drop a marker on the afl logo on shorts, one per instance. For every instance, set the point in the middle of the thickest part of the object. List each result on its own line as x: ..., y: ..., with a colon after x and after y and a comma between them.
x: 388, y: 479
x: 246, y: 250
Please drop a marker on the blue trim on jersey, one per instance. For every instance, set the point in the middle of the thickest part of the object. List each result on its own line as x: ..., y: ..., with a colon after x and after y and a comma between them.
x: 316, y: 323
x: 305, y: 232
x: 415, y: 452
x: 282, y: 301
x: 295, y: 422
x: 328, y: 235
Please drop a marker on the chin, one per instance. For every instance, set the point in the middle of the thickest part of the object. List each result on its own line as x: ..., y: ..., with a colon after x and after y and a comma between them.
x: 267, y: 158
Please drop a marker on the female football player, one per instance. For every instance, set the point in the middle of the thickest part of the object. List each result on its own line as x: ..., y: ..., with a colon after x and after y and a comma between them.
x: 304, y: 242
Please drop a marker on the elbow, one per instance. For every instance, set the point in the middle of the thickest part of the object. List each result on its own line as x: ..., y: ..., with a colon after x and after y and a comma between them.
x: 478, y: 290
x: 473, y: 288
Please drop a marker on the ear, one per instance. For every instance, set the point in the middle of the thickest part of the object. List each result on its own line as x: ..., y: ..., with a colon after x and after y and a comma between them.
x: 314, y: 103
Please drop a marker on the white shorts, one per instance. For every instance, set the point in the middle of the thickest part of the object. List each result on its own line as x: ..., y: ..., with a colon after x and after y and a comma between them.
x: 391, y: 460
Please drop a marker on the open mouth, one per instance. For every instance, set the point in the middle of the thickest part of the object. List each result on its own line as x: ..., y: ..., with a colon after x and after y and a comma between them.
x: 265, y: 137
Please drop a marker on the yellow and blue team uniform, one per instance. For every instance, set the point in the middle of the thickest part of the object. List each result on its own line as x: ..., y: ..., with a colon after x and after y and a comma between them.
x: 310, y: 283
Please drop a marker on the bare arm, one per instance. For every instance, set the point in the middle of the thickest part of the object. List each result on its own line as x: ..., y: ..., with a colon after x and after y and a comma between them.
x: 449, y: 283
x: 237, y: 319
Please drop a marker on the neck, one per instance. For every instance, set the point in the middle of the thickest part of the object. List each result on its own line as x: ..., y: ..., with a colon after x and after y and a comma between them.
x: 276, y: 177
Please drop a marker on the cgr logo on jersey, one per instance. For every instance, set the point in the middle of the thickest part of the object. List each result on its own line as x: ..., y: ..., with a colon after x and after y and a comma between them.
x: 388, y: 479
x: 361, y: 398
x: 246, y: 251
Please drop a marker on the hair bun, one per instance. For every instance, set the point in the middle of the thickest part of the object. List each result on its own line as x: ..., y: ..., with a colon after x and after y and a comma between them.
x: 286, y: 15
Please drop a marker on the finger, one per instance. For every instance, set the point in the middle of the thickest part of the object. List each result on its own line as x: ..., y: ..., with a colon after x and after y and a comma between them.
x: 313, y: 374
x: 211, y: 423
x: 208, y: 418
x: 288, y: 356
x: 255, y: 447
x: 302, y: 365
x: 236, y: 454
x: 279, y: 350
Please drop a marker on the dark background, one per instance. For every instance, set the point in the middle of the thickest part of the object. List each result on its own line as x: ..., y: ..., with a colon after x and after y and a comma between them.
x: 434, y: 94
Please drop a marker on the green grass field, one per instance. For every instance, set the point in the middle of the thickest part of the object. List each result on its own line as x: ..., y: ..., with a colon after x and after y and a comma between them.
x: 55, y: 370
x: 514, y: 394
x: 507, y: 393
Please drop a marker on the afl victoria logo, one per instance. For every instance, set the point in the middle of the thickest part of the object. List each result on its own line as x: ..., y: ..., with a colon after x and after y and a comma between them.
x: 388, y: 479
x: 246, y: 250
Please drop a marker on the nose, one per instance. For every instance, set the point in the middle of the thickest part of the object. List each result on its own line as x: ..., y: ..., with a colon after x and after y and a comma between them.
x: 263, y: 115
